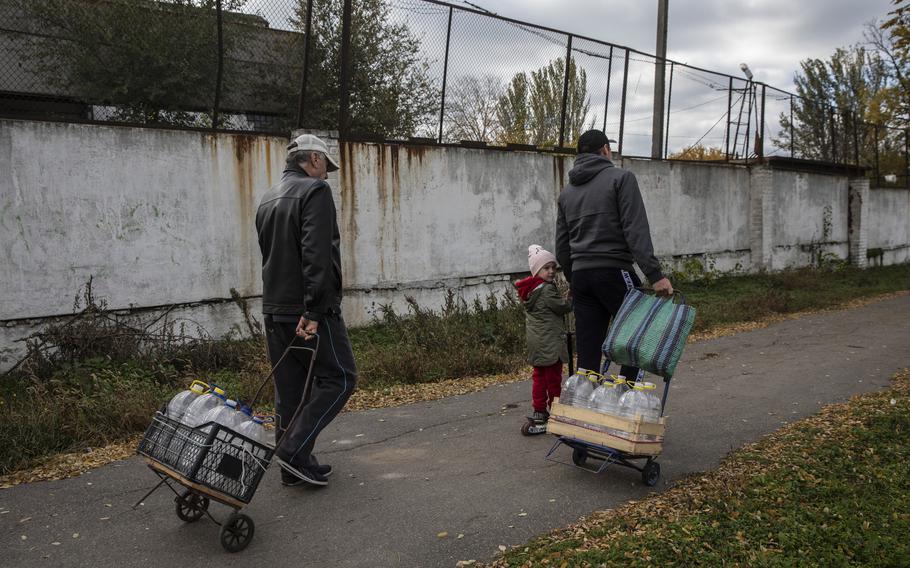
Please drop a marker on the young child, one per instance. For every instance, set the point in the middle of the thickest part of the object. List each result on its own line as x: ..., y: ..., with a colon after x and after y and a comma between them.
x: 546, y: 333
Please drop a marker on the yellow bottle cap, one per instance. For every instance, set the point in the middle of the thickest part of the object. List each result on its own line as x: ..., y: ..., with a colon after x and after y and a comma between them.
x: 199, y: 387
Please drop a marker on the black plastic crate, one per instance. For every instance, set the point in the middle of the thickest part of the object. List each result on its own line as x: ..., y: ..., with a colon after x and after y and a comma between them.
x: 209, y: 455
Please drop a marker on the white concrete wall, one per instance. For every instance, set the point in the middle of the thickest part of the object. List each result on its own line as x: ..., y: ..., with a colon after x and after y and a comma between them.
x: 163, y: 217
x: 156, y: 216
x: 696, y: 210
x: 890, y: 231
x: 809, y: 217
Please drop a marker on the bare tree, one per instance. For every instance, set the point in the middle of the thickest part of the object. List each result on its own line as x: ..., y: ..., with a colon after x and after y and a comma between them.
x: 471, y: 109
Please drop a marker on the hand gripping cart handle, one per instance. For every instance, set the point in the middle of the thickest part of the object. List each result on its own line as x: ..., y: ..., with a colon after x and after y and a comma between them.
x: 214, y: 463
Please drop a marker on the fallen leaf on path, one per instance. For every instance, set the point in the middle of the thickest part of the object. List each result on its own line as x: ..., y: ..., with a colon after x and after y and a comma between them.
x: 442, y: 534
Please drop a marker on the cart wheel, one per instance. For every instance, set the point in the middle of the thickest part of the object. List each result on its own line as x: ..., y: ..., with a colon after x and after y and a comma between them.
x: 191, y: 506
x: 651, y: 473
x: 525, y: 429
x: 579, y: 457
x: 237, y: 532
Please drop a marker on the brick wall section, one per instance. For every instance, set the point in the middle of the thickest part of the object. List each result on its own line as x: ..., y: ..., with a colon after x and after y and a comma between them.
x: 858, y: 197
x: 760, y: 241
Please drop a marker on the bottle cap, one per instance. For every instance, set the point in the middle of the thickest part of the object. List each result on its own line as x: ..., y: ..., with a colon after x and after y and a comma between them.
x: 644, y: 386
x: 231, y: 403
x: 245, y: 409
x: 218, y: 391
x: 198, y: 387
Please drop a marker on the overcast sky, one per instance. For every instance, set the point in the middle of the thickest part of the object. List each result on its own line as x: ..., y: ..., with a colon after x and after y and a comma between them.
x: 772, y: 36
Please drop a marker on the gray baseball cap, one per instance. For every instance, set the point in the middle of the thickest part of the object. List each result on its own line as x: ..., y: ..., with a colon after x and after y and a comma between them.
x: 306, y: 142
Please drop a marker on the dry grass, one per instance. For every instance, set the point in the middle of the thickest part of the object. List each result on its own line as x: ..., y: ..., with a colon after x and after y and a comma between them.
x: 757, y: 491
x: 67, y: 465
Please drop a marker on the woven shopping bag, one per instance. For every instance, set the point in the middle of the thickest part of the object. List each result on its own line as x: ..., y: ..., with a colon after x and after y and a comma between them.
x: 650, y: 332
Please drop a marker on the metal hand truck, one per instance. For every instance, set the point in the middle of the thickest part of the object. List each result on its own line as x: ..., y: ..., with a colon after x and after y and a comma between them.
x: 214, y: 463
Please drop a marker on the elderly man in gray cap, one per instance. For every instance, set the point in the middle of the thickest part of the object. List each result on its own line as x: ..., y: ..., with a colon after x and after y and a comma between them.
x: 301, y: 296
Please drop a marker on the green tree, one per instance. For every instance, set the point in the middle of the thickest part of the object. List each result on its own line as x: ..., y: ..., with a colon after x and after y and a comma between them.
x: 513, y: 113
x: 700, y: 153
x: 151, y: 61
x: 891, y: 39
x: 849, y: 84
x: 392, y: 94
x: 531, y: 108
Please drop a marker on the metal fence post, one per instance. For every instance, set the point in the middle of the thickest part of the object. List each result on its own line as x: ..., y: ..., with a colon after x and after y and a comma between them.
x: 792, y: 129
x: 750, y: 87
x: 565, y: 92
x: 607, y: 99
x: 308, y: 33
x: 667, y: 122
x: 622, y: 107
x: 833, y: 137
x: 344, y: 113
x: 760, y: 150
x: 855, y: 138
x: 877, y: 172
x: 729, y: 117
x: 907, y: 158
x: 445, y: 73
x: 216, y: 107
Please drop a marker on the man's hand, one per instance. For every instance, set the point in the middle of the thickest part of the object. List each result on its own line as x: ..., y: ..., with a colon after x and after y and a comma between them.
x: 663, y: 287
x: 307, y: 328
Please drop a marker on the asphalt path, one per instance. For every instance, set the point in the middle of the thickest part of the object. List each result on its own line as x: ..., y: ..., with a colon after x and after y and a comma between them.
x: 406, y: 475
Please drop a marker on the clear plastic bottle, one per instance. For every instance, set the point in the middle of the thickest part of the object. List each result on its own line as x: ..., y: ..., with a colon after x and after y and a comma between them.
x: 585, y: 389
x: 622, y: 383
x: 569, y: 386
x: 196, y: 411
x: 654, y: 406
x: 177, y: 406
x: 227, y: 415
x: 255, y: 430
x: 605, y: 398
x: 640, y: 401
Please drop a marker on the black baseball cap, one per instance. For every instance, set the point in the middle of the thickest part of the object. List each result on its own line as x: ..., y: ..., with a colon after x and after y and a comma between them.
x: 592, y: 141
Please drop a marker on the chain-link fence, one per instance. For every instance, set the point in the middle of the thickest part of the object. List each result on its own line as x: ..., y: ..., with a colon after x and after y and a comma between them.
x: 419, y: 70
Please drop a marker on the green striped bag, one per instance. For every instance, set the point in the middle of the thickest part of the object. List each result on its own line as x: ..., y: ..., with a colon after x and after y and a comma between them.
x: 649, y: 332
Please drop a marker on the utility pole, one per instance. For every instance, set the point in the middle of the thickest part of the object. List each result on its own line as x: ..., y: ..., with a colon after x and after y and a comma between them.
x: 657, y: 129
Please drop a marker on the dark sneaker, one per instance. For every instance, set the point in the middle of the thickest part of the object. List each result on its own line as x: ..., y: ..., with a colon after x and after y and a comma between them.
x: 289, y: 479
x: 324, y: 470
x: 303, y: 473
x: 540, y: 416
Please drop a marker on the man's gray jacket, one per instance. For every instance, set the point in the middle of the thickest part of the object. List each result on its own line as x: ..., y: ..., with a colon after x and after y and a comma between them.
x: 299, y: 240
x: 602, y: 222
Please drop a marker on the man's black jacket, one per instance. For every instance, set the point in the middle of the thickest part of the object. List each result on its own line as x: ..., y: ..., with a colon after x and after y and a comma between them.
x: 299, y: 240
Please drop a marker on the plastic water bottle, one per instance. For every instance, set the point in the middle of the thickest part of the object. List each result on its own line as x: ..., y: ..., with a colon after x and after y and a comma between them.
x: 255, y: 430
x: 585, y: 389
x: 226, y: 414
x: 640, y: 402
x: 569, y: 385
x: 605, y: 398
x: 654, y: 407
x: 196, y: 411
x: 177, y: 406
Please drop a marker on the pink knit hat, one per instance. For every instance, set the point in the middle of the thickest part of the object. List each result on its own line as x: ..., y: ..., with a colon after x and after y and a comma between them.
x: 538, y: 257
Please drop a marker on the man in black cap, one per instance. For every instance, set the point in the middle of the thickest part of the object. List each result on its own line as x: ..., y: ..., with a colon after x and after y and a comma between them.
x: 301, y: 296
x: 601, y: 229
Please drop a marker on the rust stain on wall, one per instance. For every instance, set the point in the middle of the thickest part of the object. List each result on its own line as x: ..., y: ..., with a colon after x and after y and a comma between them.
x: 348, y: 189
x: 245, y: 149
x: 415, y: 152
x: 382, y: 203
x: 559, y: 173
